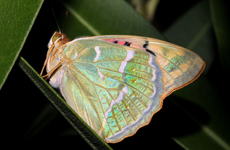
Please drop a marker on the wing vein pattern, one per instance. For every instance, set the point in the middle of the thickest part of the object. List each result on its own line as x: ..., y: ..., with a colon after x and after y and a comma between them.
x: 115, y: 85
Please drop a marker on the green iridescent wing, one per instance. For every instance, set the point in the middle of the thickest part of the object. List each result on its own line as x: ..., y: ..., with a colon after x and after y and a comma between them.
x: 117, y: 83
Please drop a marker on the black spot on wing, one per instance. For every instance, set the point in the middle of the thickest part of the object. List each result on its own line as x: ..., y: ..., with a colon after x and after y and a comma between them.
x: 146, y: 44
x: 151, y: 52
x: 127, y: 43
x: 115, y: 42
x: 146, y: 48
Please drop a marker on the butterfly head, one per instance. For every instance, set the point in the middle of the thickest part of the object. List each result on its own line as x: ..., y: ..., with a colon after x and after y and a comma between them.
x: 58, y: 38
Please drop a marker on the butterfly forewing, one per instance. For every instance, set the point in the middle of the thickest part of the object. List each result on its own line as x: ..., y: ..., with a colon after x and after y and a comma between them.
x: 180, y: 66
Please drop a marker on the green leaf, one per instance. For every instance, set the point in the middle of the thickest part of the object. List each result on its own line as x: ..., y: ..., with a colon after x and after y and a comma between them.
x: 91, y: 15
x: 145, y: 8
x: 17, y: 18
x: 221, y: 23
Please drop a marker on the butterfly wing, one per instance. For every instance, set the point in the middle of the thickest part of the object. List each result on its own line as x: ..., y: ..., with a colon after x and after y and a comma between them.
x: 116, y: 89
x: 180, y: 65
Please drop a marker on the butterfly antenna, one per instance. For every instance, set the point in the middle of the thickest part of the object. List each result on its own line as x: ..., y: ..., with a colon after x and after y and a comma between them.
x: 56, y: 19
x: 67, y: 16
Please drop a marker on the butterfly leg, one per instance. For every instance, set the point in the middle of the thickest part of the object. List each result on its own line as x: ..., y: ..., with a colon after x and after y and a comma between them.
x: 51, y: 72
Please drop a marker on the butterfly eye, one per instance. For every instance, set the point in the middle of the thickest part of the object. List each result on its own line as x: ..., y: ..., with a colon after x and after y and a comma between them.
x: 55, y: 37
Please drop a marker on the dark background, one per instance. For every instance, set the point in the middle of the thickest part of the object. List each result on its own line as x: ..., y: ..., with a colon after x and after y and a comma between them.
x: 27, y: 103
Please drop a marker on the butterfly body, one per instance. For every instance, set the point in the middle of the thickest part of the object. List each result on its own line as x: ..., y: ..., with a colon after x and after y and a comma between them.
x: 117, y: 83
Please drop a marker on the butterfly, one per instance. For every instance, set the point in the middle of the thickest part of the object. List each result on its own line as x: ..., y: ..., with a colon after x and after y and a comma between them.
x: 116, y: 83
